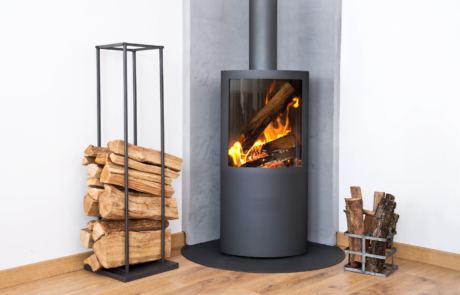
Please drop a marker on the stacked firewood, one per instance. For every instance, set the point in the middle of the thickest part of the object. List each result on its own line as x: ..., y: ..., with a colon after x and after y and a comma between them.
x: 105, y: 198
x: 379, y: 223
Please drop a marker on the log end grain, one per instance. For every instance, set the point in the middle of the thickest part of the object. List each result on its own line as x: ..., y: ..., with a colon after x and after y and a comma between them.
x: 90, y: 206
x: 86, y: 238
x: 93, y: 262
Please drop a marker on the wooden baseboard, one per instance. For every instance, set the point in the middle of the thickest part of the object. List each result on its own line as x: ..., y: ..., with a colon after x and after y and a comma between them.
x: 54, y: 267
x: 415, y: 253
x: 178, y: 240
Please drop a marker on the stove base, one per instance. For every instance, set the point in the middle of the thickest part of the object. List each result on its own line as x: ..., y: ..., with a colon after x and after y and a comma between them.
x: 318, y: 256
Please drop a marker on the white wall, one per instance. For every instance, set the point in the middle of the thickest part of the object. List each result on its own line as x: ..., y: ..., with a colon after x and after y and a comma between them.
x: 48, y: 110
x: 399, y: 126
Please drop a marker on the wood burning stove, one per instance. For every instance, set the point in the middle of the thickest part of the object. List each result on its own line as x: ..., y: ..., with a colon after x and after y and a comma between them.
x: 264, y: 136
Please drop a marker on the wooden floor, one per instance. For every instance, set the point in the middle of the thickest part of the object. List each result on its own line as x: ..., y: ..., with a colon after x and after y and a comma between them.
x: 411, y: 278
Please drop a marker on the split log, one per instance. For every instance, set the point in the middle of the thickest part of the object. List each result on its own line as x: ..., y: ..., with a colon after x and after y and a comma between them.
x: 135, y: 184
x: 120, y: 160
x: 93, y: 262
x: 369, y: 213
x: 117, y: 169
x: 377, y: 197
x: 354, y: 208
x: 145, y: 155
x: 90, y: 224
x: 272, y: 158
x: 88, y: 160
x: 390, y: 197
x: 381, y: 226
x: 144, y: 247
x: 393, y: 219
x: 368, y: 226
x: 266, y: 115
x: 393, y: 222
x: 101, y: 159
x: 91, y: 206
x: 95, y: 193
x: 86, y: 238
x: 94, y: 182
x: 369, y: 218
x: 104, y: 227
x: 94, y: 170
x: 92, y: 150
x: 353, y: 257
x: 112, y: 206
x: 356, y: 192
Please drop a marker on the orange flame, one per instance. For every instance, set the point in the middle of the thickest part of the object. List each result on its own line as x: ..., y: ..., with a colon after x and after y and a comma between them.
x: 270, y: 133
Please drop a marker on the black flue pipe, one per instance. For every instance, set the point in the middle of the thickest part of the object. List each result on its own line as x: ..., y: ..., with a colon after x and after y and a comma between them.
x: 263, y: 22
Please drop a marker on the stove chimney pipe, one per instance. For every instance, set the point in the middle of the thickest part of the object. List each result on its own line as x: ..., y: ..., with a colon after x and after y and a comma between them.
x: 263, y: 20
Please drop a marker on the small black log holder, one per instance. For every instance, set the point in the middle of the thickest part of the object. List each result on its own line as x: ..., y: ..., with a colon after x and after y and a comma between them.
x: 388, y: 269
x: 143, y: 270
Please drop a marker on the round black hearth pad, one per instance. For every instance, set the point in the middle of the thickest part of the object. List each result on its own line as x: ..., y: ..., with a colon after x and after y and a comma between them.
x: 318, y: 256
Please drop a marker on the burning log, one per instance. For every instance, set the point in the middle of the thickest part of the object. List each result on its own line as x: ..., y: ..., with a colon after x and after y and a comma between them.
x: 283, y: 143
x: 114, y: 168
x: 104, y: 227
x: 279, y: 145
x: 141, y: 206
x: 134, y: 183
x: 273, y: 157
x: 280, y: 164
x: 92, y: 150
x: 144, y: 246
x: 382, y: 224
x: 88, y: 160
x: 266, y: 115
x: 145, y: 155
x: 120, y: 160
x: 355, y: 222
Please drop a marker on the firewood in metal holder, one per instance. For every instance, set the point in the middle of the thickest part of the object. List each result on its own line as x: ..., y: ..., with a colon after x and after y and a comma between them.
x: 129, y: 273
x: 388, y: 268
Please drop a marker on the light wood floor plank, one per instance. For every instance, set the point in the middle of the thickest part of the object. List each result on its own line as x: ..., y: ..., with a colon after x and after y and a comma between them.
x: 412, y: 278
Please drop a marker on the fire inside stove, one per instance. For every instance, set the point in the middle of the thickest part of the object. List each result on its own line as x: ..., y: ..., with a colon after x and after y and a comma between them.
x: 265, y: 123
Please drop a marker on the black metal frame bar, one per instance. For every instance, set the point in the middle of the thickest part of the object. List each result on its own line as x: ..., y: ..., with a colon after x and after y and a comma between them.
x: 150, y: 268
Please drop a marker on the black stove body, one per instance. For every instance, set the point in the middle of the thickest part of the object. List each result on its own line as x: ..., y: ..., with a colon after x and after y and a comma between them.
x: 264, y: 204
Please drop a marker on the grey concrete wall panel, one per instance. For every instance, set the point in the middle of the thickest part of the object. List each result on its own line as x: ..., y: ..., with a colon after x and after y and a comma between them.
x: 308, y: 40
